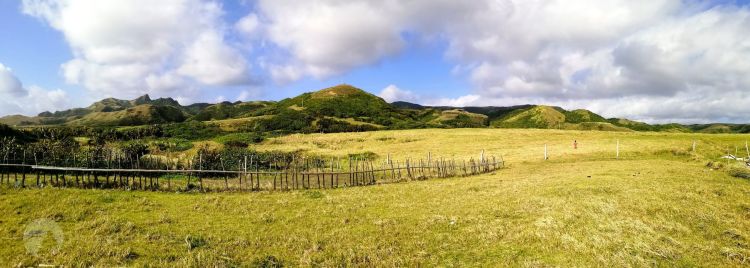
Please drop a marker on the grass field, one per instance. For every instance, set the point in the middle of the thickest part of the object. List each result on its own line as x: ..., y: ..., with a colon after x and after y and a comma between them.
x: 658, y: 205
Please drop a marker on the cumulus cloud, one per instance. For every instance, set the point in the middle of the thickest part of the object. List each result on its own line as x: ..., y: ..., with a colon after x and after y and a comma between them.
x: 329, y: 37
x: 607, y: 55
x: 17, y: 99
x: 392, y: 93
x: 9, y: 84
x: 126, y: 48
x: 612, y: 56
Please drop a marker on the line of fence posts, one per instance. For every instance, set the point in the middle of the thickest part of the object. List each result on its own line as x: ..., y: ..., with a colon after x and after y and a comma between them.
x: 279, y: 175
x: 693, y: 149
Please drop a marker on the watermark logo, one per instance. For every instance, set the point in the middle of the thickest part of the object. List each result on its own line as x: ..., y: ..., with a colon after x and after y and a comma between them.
x: 38, y: 231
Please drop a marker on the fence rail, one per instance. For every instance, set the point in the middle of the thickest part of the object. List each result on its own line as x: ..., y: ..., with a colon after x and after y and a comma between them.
x: 292, y: 175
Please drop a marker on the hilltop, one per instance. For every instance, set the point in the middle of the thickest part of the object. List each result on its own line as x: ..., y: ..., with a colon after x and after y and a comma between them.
x: 341, y: 108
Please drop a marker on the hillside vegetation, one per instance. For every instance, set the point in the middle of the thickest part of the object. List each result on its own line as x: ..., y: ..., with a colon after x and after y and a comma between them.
x: 343, y: 108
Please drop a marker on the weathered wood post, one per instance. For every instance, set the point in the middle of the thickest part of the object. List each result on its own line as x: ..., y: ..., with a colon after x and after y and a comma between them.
x: 244, y: 171
x: 408, y: 169
x: 200, y: 168
x: 747, y: 150
x: 545, y: 152
x: 693, y: 146
x: 618, y: 149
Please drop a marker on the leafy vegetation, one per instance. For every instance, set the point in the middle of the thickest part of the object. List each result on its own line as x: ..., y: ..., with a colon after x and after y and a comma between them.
x: 240, y: 139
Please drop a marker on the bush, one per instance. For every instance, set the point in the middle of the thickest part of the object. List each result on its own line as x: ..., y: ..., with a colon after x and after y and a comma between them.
x: 240, y: 139
x: 328, y: 125
x: 192, y: 130
x: 172, y: 145
x: 364, y: 156
x: 134, y: 150
x: 193, y: 242
x: 743, y: 173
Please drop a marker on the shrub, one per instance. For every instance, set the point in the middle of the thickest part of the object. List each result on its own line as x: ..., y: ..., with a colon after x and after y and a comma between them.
x: 364, y: 156
x: 192, y: 130
x: 743, y: 173
x: 240, y: 139
x: 328, y: 125
x: 172, y: 145
x: 193, y: 242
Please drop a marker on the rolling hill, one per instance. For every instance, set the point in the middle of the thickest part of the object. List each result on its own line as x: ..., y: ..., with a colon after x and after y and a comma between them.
x: 343, y: 108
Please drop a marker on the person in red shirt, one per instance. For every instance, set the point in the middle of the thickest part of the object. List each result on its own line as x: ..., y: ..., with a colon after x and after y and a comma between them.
x: 575, y: 144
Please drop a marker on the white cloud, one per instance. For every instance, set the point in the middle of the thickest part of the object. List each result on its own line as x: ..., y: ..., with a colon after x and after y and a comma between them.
x: 607, y: 55
x: 9, y: 84
x: 121, y: 47
x: 594, y: 53
x: 330, y: 37
x: 248, y: 25
x: 212, y: 62
x: 17, y: 99
x: 392, y: 93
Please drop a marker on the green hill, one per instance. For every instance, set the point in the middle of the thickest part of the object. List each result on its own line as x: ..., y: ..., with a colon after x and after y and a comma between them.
x: 342, y: 108
x: 342, y: 101
x: 146, y: 114
x: 534, y: 117
x: 556, y: 118
x: 228, y: 110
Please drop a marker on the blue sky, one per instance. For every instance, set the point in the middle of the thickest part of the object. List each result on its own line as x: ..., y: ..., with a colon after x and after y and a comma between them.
x: 648, y: 60
x: 35, y: 52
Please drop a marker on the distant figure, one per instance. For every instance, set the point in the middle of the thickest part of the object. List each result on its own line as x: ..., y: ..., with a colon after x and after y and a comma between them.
x: 575, y: 144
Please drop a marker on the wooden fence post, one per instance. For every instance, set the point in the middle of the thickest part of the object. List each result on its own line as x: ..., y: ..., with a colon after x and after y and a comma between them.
x: 618, y: 149
x: 545, y: 152
x: 200, y: 168
x: 693, y: 146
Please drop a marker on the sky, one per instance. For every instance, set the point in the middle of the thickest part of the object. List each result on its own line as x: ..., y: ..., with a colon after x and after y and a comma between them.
x: 658, y: 61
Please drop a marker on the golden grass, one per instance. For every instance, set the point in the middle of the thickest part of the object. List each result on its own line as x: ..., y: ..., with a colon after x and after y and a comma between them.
x: 514, y: 145
x: 659, y: 205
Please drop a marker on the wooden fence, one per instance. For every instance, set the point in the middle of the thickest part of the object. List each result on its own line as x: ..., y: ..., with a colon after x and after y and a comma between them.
x: 251, y: 176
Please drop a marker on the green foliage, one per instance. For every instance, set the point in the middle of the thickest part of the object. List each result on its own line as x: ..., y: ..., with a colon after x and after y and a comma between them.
x: 172, y: 145
x: 134, y: 150
x: 330, y: 125
x: 7, y: 131
x: 581, y: 116
x: 287, y: 121
x: 192, y: 130
x: 242, y: 139
x: 463, y: 121
x: 314, y: 194
x: 364, y: 156
x: 226, y: 110
x: 195, y: 241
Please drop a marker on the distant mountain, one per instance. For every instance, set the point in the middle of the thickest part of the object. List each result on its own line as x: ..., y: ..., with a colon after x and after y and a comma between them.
x: 342, y: 108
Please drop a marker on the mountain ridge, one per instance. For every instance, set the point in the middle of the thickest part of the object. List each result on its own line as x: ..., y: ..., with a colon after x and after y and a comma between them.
x: 341, y: 108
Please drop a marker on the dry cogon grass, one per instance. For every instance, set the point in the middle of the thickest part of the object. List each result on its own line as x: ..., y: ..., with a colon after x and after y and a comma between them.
x: 655, y: 206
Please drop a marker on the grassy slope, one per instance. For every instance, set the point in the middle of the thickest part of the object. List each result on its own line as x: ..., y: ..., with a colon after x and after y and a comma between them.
x: 657, y: 206
x: 138, y: 115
